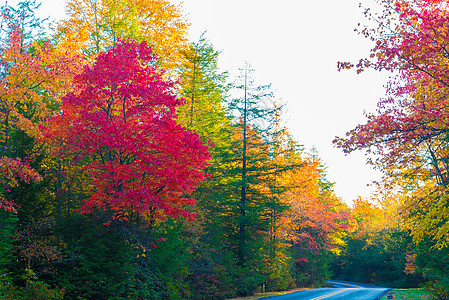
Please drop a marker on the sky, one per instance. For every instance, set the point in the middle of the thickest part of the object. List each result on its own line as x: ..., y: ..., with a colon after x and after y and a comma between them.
x: 295, y: 45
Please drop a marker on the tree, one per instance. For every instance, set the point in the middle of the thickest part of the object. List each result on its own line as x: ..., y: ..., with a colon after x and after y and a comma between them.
x: 21, y: 17
x: 97, y: 25
x: 378, y: 247
x: 120, y: 124
x: 409, y: 132
x: 310, y: 221
x: 252, y: 146
x: 201, y: 246
x: 32, y: 77
x: 205, y: 90
x: 248, y: 197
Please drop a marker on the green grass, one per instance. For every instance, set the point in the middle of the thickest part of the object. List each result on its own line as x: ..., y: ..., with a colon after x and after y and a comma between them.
x: 409, y: 294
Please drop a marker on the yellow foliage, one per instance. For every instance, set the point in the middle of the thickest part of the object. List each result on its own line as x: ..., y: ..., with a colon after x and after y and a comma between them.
x: 93, y: 26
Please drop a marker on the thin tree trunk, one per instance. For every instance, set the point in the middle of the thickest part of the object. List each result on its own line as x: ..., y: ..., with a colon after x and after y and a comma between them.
x: 242, y: 228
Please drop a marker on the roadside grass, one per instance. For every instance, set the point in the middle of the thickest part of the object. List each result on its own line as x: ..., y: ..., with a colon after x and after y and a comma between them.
x: 408, y: 294
x: 269, y: 294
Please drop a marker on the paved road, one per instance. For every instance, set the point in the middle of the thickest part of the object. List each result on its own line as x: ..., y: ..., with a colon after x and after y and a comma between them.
x: 341, y: 290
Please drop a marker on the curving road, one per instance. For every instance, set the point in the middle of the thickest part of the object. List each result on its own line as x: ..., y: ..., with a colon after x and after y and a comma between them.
x: 341, y: 290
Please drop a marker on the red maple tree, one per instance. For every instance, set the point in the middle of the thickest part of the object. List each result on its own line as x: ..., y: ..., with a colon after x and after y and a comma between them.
x: 414, y: 115
x: 121, y: 124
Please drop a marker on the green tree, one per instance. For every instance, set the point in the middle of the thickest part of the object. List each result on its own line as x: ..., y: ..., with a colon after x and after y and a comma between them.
x: 197, y: 245
x: 7, y: 239
x: 255, y: 116
x: 205, y: 90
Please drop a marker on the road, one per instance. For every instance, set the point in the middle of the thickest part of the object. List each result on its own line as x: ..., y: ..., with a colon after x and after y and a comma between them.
x: 341, y: 290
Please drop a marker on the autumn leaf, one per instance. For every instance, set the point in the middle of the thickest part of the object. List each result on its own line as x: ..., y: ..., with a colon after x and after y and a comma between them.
x: 121, y: 122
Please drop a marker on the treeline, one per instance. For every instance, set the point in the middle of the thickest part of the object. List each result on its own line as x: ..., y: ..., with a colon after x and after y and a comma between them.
x: 133, y: 168
x: 378, y: 248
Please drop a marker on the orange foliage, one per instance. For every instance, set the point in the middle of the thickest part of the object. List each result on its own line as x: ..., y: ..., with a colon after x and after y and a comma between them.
x: 315, y: 212
x: 24, y: 104
x: 34, y: 79
x: 95, y: 26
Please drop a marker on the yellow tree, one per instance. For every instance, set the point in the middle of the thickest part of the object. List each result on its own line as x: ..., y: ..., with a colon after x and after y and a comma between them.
x: 96, y: 25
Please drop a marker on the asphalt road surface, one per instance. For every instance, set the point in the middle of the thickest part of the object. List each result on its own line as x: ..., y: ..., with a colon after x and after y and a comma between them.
x: 341, y: 290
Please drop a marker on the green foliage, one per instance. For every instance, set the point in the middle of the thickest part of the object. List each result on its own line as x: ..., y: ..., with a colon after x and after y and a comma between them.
x: 253, y: 195
x: 98, y: 264
x: 173, y: 255
x: 33, y: 289
x: 247, y: 280
x: 434, y: 264
x: 32, y: 197
x: 379, y: 259
x: 148, y: 283
x: 280, y: 282
x: 312, y: 272
x: 7, y: 239
x: 279, y: 276
x: 205, y: 89
x: 212, y: 268
x: 409, y: 294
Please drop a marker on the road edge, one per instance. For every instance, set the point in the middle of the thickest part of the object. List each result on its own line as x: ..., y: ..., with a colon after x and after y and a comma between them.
x: 383, y: 294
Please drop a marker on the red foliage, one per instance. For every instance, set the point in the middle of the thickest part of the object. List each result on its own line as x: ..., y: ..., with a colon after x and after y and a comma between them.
x: 302, y: 260
x: 11, y: 172
x: 416, y: 110
x: 120, y: 122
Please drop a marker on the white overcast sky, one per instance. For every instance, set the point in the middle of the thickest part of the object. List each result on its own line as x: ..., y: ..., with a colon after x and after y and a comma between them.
x: 295, y: 45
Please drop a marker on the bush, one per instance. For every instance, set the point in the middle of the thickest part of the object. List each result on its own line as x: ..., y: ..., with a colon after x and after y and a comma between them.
x: 98, y: 265
x: 33, y: 290
x: 438, y: 290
